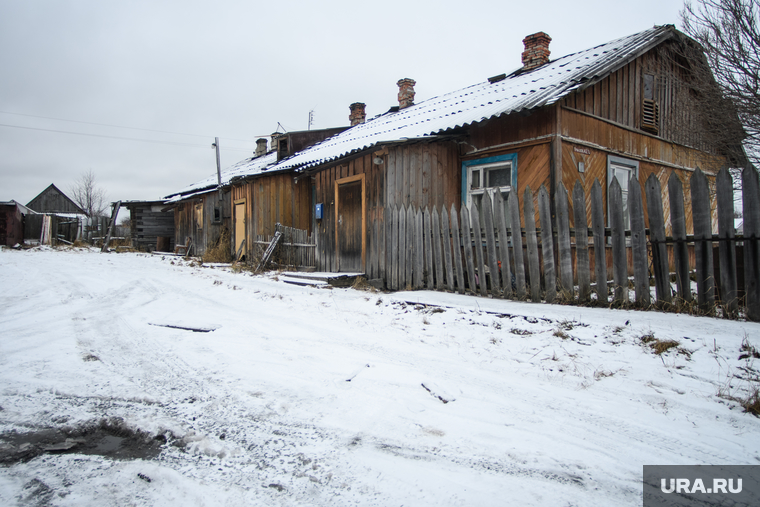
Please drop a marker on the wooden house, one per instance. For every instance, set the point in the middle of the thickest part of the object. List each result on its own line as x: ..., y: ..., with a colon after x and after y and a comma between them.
x: 253, y: 198
x: 620, y: 109
x: 53, y: 200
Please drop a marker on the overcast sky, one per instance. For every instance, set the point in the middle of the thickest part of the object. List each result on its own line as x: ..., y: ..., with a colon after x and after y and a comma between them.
x: 180, y: 73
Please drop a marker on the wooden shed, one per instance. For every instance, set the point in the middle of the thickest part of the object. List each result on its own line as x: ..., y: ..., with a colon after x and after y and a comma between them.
x: 11, y: 223
x: 53, y: 200
x: 151, y: 220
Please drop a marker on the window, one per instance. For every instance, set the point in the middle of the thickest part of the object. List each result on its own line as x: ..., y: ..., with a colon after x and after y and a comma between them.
x: 623, y: 169
x: 488, y: 175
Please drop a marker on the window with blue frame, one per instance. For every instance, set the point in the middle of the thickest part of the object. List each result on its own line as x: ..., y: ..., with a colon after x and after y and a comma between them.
x: 488, y: 175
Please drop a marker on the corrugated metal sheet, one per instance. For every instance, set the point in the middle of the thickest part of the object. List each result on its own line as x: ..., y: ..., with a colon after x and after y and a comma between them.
x: 247, y: 167
x: 537, y: 88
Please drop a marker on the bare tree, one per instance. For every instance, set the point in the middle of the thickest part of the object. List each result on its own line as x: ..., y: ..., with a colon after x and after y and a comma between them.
x: 89, y: 196
x: 729, y: 33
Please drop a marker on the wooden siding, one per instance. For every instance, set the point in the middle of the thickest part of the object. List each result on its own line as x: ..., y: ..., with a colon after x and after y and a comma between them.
x: 271, y: 199
x: 206, y: 233
x: 11, y: 225
x: 419, y: 174
x: 53, y: 200
x: 590, y: 140
x: 619, y: 98
x: 148, y: 225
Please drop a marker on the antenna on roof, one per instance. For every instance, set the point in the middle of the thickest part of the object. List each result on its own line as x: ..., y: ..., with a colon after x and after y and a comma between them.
x: 279, y: 126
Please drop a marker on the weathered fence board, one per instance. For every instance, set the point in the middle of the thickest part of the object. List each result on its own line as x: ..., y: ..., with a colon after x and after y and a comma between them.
x: 427, y: 226
x: 517, y: 244
x: 700, y: 212
x: 563, y: 243
x: 726, y: 246
x: 457, y: 250
x: 657, y: 239
x: 581, y: 243
x: 532, y: 241
x: 619, y: 261
x: 394, y: 249
x: 501, y: 231
x: 638, y: 244
x: 751, y: 216
x: 446, y: 236
x: 600, y: 244
x: 493, y: 266
x: 464, y: 213
x: 437, y: 255
x: 477, y: 245
x: 547, y: 244
x: 678, y: 226
x: 409, y: 260
x: 419, y: 251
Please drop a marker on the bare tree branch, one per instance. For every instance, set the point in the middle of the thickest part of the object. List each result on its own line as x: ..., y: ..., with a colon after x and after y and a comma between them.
x: 89, y: 196
x: 729, y: 33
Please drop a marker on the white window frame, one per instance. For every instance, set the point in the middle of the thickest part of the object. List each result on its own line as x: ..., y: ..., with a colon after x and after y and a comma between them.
x: 625, y: 164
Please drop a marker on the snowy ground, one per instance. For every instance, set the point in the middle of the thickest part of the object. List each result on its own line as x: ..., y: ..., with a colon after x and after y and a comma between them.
x: 547, y: 405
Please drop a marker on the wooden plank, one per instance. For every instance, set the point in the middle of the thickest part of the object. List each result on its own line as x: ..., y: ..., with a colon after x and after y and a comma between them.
x: 563, y: 243
x: 657, y: 239
x: 581, y: 243
x: 727, y: 246
x: 437, y: 249
x: 394, y: 248
x: 547, y: 244
x: 493, y: 266
x: 751, y: 215
x: 678, y: 228
x: 477, y: 240
x: 457, y: 249
x: 517, y: 244
x: 619, y: 261
x: 402, y: 248
x: 419, y: 251
x: 409, y: 261
x: 702, y: 220
x: 428, y: 233
x: 600, y: 244
x: 532, y: 241
x: 638, y: 243
x: 387, y: 271
x: 446, y: 236
x: 464, y: 213
x: 501, y: 230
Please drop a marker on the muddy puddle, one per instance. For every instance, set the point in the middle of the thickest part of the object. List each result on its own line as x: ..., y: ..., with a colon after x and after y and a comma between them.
x: 106, y: 438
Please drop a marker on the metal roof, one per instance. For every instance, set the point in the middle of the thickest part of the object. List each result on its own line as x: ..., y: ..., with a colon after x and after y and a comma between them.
x: 247, y: 167
x: 518, y: 91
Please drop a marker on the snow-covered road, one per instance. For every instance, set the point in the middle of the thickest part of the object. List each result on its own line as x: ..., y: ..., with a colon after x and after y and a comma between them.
x: 547, y: 405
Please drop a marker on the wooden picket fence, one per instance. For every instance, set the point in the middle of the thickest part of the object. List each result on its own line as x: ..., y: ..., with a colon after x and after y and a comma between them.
x: 447, y: 250
x: 295, y: 249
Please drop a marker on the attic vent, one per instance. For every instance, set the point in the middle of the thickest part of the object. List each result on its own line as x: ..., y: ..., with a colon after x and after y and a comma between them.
x: 650, y: 117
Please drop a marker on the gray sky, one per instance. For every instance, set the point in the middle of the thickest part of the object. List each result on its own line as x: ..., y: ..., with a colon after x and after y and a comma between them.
x: 234, y: 69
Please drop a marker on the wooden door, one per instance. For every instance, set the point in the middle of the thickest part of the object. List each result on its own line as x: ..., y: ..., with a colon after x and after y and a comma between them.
x: 350, y: 224
x: 239, y: 224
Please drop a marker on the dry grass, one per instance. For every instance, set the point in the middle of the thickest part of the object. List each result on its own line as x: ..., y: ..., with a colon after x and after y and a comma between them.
x: 659, y: 347
x: 220, y: 252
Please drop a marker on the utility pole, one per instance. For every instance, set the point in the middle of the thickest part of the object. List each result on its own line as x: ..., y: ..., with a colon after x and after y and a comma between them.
x: 218, y: 170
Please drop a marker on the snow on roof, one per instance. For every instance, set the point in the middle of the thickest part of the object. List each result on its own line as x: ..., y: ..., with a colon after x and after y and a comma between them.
x: 519, y: 90
x: 247, y: 167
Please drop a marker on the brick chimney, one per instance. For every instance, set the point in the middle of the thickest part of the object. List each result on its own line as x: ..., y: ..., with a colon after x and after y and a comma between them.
x: 406, y: 92
x: 358, y: 114
x: 261, y: 147
x: 536, y: 51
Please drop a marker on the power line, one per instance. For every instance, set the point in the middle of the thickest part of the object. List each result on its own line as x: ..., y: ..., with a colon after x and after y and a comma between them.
x: 123, y: 127
x: 172, y: 143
